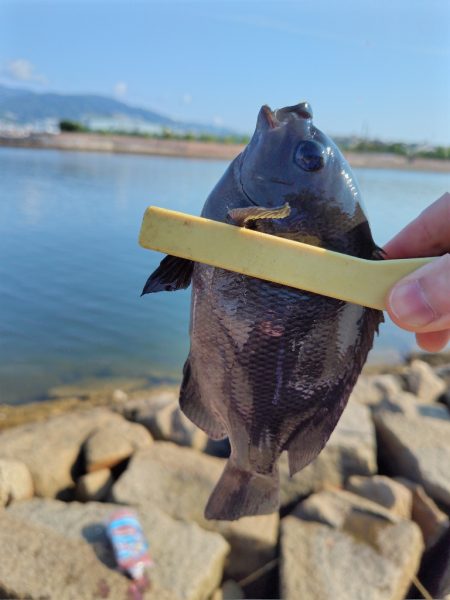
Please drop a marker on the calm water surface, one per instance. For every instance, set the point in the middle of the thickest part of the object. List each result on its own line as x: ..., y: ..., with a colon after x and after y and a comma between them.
x: 71, y: 271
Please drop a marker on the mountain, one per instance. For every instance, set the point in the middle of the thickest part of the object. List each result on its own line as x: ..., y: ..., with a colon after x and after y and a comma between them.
x: 24, y: 107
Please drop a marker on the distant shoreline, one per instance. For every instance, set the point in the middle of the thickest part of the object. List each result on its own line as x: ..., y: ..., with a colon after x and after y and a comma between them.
x: 122, y: 144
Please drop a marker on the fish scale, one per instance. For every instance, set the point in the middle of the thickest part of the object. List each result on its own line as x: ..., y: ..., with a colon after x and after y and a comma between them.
x: 272, y: 367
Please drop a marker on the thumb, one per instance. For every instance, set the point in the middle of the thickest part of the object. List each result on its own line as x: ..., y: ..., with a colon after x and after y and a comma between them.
x: 421, y: 301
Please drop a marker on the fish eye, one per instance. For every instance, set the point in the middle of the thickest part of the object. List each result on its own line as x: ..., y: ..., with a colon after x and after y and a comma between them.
x: 310, y: 155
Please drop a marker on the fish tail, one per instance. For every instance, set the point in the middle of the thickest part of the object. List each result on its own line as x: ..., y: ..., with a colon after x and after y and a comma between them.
x: 241, y: 493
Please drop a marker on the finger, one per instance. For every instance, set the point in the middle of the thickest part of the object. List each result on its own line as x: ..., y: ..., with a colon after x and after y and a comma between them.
x: 421, y: 301
x: 433, y: 341
x: 427, y: 235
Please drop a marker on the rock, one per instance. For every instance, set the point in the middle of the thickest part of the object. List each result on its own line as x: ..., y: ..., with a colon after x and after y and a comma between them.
x: 411, y: 406
x: 179, y: 481
x: 114, y: 442
x: 385, y: 491
x: 320, y: 562
x: 94, y: 486
x: 15, y: 481
x: 443, y: 589
x: 119, y: 396
x: 188, y: 560
x: 425, y: 512
x: 418, y: 450
x: 433, y: 411
x: 350, y: 450
x: 443, y: 370
x: 103, y: 450
x: 337, y: 508
x: 230, y: 590
x: 50, y: 449
x: 36, y: 562
x: 401, y: 402
x: 370, y: 390
x: 365, y: 392
x: 141, y: 408
x: 161, y: 415
x: 422, y: 381
x: 171, y: 425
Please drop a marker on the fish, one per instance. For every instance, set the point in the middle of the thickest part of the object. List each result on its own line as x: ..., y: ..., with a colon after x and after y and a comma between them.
x: 271, y: 367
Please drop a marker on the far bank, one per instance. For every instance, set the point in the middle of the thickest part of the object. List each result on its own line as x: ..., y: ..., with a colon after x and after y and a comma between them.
x: 92, y: 142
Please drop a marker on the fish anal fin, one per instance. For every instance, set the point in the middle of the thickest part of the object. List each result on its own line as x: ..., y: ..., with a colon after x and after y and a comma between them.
x: 241, y: 493
x: 172, y: 274
x: 192, y: 406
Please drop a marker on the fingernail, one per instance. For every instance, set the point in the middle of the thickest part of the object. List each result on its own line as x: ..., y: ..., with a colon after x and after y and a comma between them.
x: 409, y: 304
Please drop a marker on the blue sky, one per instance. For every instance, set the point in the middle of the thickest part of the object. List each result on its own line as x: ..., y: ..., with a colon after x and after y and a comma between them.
x: 377, y: 68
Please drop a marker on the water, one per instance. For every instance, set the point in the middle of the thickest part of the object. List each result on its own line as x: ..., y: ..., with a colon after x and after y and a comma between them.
x: 71, y: 270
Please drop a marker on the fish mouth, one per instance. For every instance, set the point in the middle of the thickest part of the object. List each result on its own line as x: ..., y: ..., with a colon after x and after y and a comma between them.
x: 281, y: 116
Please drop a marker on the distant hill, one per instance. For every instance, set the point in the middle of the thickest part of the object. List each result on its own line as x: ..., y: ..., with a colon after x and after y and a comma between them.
x: 24, y: 107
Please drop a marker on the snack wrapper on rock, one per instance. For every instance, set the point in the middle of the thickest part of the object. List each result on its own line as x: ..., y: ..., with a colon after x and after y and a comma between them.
x: 130, y: 546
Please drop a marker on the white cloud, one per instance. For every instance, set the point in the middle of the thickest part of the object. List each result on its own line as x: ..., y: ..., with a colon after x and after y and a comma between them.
x: 21, y: 69
x: 187, y: 98
x: 120, y: 89
x: 218, y: 121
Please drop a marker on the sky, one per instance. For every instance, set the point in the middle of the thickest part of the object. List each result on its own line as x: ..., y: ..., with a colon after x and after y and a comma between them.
x: 379, y: 69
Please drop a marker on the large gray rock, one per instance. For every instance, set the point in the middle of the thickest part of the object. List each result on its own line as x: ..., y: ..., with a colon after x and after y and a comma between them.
x: 161, y: 415
x: 188, y: 560
x: 401, y: 402
x: 36, y: 562
x: 171, y: 425
x: 418, y: 449
x: 351, y: 450
x: 230, y: 590
x: 385, y: 491
x: 143, y: 406
x: 15, y: 481
x: 321, y: 563
x: 94, y: 486
x: 433, y: 522
x: 422, y: 381
x: 114, y: 442
x: 179, y: 481
x: 338, y: 508
x: 411, y: 406
x: 51, y: 449
x: 370, y: 390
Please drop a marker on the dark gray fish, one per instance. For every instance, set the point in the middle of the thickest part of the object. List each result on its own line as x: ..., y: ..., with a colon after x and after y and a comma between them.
x: 272, y: 367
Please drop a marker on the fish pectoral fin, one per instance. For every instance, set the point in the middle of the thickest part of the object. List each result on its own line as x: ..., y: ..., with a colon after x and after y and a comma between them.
x: 192, y: 406
x: 243, y: 216
x: 172, y: 274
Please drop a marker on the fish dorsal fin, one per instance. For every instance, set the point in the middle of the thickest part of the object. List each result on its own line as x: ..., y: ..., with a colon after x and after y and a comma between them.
x: 172, y: 274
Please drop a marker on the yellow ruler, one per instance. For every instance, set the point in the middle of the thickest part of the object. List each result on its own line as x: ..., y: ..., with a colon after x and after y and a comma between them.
x: 276, y: 259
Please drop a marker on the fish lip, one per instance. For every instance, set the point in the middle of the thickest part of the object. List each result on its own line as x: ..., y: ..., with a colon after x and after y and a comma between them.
x: 270, y: 116
x: 301, y: 110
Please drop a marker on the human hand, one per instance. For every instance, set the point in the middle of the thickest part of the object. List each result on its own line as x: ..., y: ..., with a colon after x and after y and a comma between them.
x: 421, y: 301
